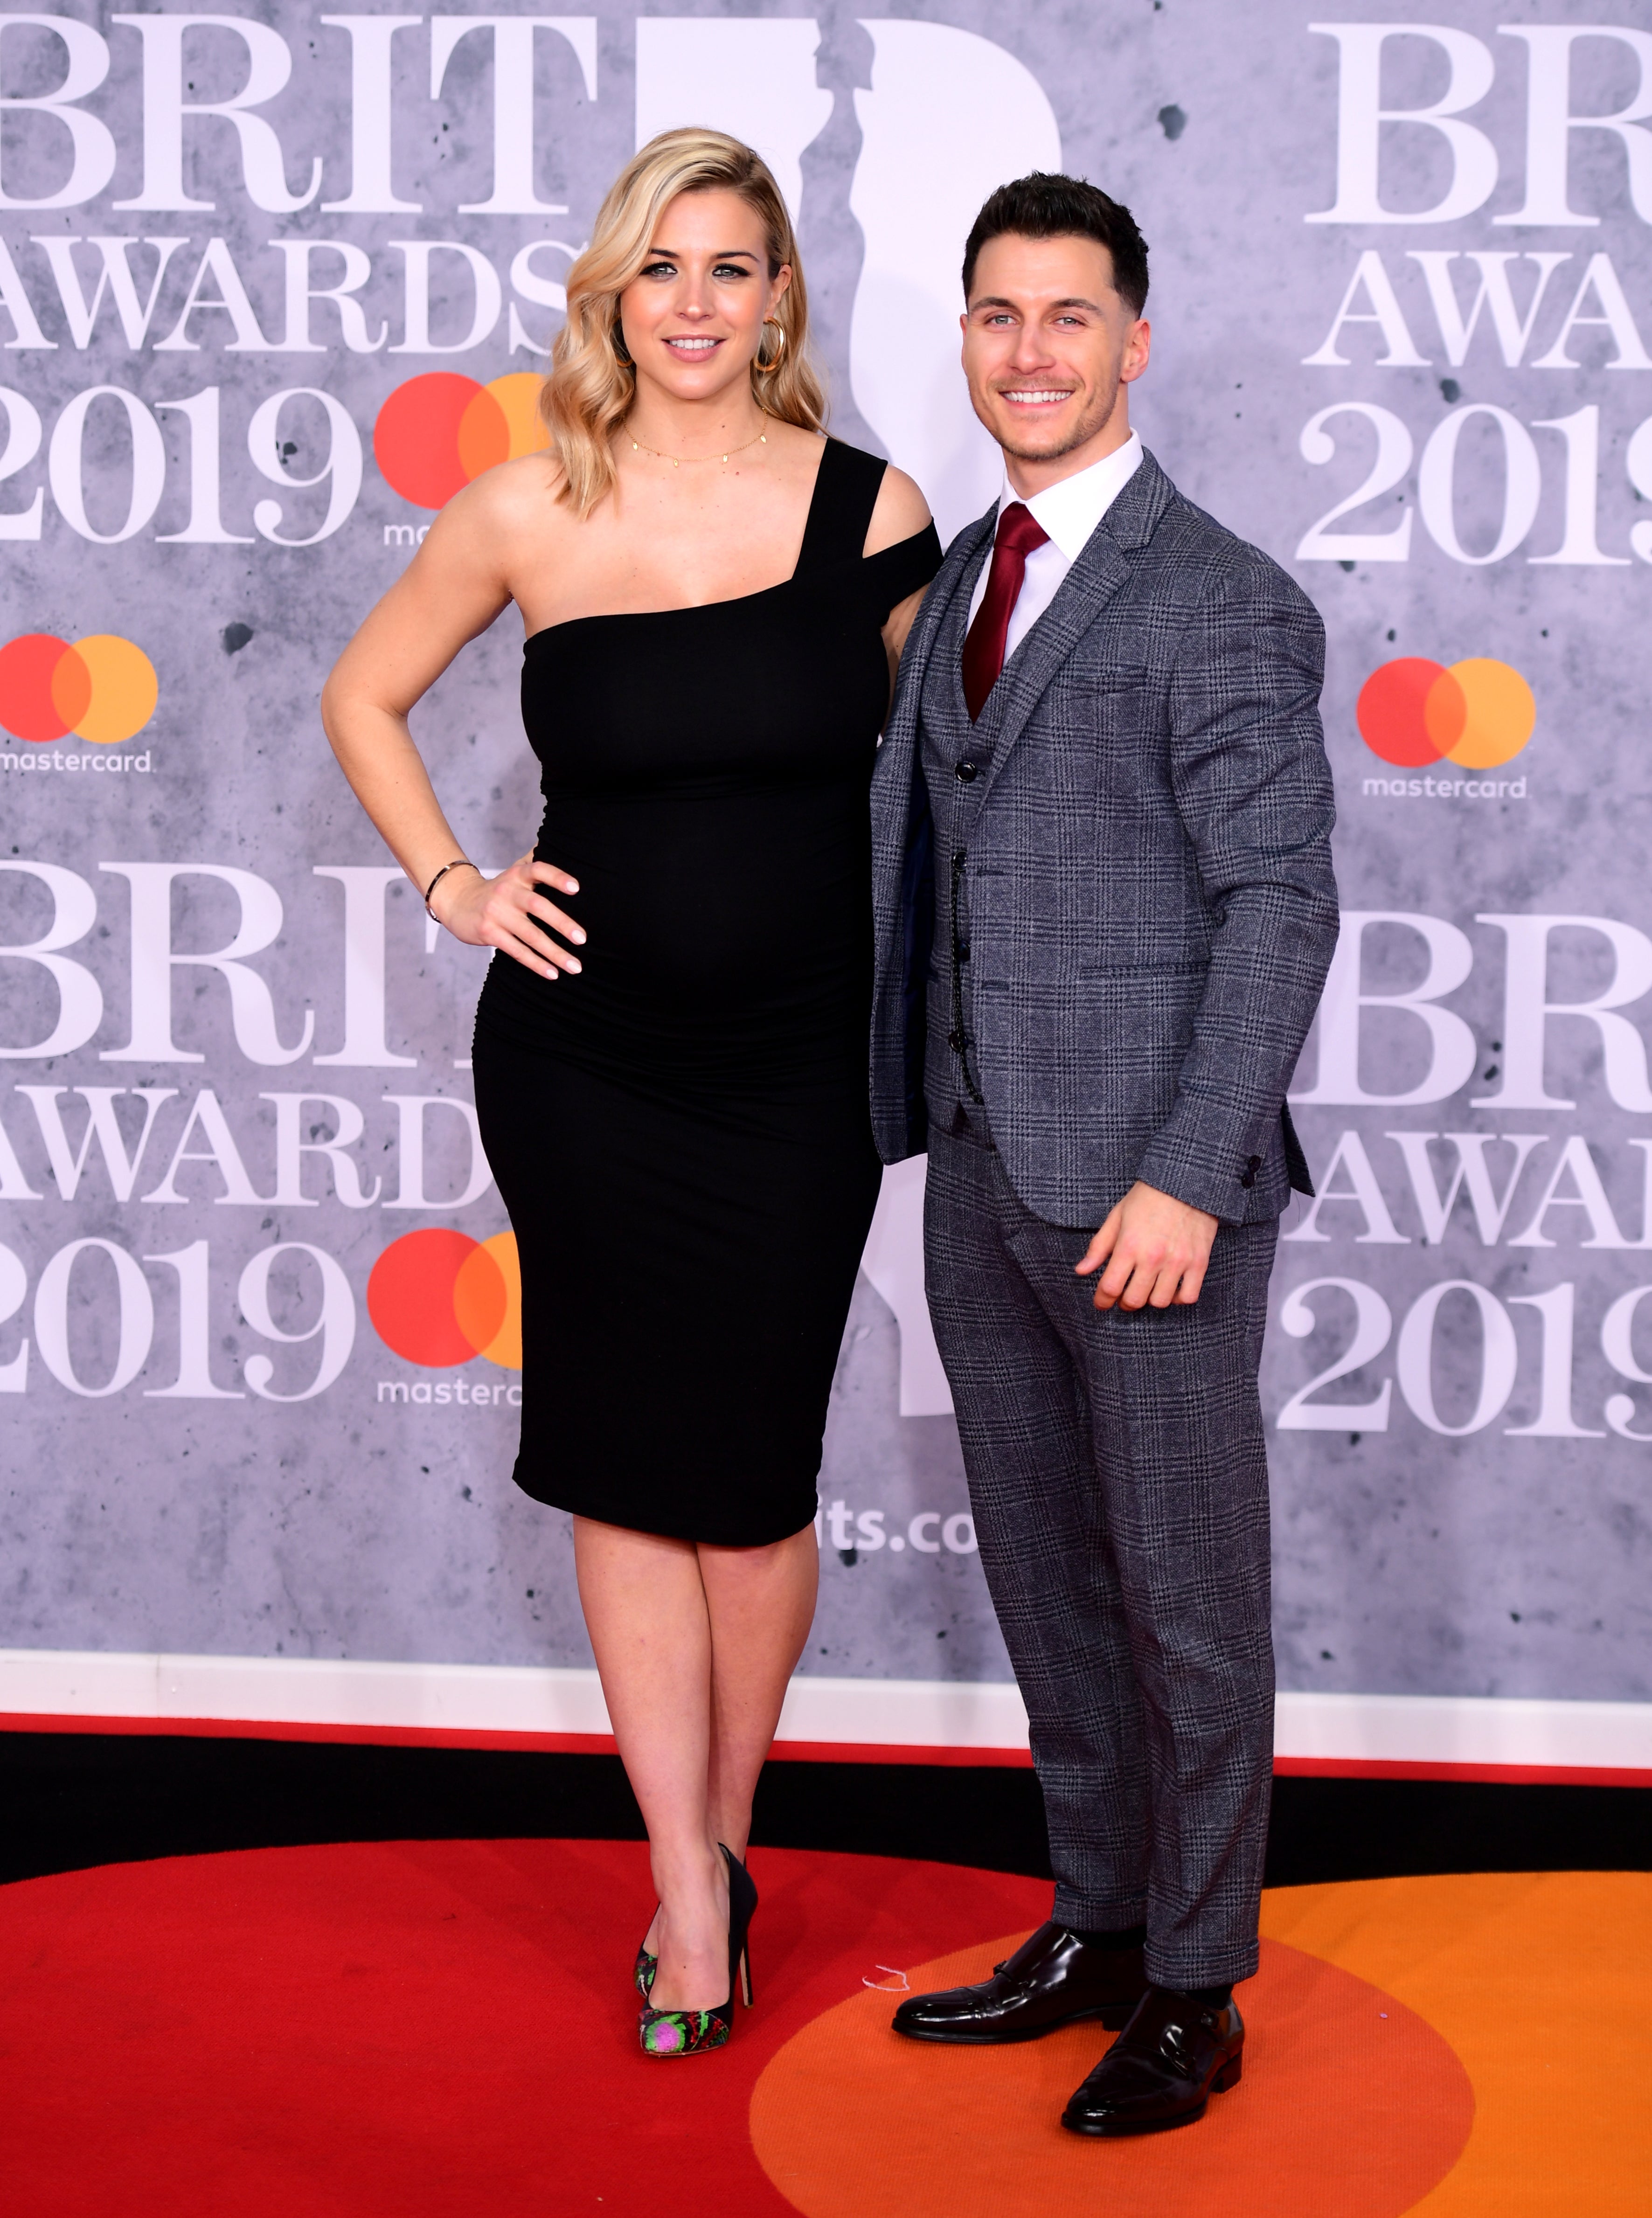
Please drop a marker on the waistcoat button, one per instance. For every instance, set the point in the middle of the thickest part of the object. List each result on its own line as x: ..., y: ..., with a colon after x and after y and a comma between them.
x: 966, y: 773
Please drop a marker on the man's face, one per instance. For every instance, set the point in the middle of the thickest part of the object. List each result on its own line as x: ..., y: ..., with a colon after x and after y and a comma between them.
x: 1049, y: 345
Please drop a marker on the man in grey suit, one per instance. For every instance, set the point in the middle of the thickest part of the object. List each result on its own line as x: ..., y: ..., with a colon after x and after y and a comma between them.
x: 1101, y: 825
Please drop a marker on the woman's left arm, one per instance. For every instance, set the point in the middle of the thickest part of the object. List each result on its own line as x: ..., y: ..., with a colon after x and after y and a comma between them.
x: 901, y: 513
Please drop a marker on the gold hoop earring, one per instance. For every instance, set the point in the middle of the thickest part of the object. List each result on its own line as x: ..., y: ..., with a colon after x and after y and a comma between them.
x: 767, y: 368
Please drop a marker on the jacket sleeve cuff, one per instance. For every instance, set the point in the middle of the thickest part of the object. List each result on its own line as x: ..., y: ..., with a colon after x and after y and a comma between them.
x: 1223, y: 1193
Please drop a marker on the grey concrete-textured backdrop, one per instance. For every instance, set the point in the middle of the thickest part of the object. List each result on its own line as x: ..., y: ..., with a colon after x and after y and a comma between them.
x: 1409, y: 1558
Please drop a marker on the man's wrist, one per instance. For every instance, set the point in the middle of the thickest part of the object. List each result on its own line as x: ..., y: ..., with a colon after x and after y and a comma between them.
x: 1146, y: 1185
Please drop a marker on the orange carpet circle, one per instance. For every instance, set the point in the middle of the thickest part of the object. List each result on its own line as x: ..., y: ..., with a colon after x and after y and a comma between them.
x: 1427, y: 2044
x: 1333, y: 2067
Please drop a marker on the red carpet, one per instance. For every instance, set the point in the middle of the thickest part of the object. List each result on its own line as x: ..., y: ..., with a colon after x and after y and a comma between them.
x: 424, y: 2028
x: 412, y: 2030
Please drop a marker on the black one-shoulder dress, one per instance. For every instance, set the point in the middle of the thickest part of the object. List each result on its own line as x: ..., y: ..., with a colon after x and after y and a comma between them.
x: 680, y: 1131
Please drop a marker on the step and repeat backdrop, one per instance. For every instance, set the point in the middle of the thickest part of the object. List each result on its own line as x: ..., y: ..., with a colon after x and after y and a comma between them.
x: 274, y: 285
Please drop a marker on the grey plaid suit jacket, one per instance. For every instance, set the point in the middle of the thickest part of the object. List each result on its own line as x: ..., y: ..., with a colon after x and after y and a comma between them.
x: 1151, y: 900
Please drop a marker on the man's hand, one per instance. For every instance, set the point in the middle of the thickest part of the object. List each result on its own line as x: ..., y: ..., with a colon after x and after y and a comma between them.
x: 1158, y: 1249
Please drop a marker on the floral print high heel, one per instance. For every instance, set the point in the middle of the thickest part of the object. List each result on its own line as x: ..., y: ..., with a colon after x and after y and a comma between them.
x: 646, y: 1966
x: 693, y: 2032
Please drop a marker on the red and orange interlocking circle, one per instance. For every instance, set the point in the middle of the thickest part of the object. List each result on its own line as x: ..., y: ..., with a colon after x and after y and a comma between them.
x: 435, y: 433
x: 438, y: 1298
x: 101, y: 690
x: 1477, y: 713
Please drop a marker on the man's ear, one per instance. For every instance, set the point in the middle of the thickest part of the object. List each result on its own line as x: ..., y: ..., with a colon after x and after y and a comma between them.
x: 1138, y: 350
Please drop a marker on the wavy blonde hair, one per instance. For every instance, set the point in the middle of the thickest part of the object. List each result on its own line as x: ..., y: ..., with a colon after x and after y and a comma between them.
x: 591, y: 388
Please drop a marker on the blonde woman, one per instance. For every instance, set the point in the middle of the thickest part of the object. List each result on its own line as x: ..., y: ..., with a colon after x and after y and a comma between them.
x: 671, y: 1045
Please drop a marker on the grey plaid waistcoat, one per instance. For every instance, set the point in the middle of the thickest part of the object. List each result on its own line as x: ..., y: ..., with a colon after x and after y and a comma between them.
x: 944, y: 738
x: 1146, y: 864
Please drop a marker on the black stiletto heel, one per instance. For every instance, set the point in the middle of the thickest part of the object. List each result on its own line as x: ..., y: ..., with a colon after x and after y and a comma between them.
x: 741, y: 1893
x: 692, y: 2032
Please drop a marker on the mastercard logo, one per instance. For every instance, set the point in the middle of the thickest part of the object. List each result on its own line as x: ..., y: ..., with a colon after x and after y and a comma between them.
x: 1477, y: 713
x: 438, y: 1298
x: 103, y: 689
x: 435, y: 434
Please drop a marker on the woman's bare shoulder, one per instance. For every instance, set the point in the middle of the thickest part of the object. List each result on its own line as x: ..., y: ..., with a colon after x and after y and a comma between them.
x: 793, y: 453
x: 503, y: 521
x: 793, y: 440
x: 524, y: 494
x: 901, y: 512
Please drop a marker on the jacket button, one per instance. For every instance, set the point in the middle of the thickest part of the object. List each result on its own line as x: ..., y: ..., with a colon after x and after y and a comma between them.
x: 1247, y: 1178
x: 966, y: 773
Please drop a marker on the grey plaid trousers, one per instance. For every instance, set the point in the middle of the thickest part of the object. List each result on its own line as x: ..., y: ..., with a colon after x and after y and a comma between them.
x: 1119, y: 1480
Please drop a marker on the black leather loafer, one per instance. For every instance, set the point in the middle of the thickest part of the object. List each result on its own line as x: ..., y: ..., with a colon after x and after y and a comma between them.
x: 1053, y: 1979
x: 1162, y: 2069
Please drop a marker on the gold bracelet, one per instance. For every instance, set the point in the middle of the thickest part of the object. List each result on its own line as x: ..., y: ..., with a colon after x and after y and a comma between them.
x: 459, y: 863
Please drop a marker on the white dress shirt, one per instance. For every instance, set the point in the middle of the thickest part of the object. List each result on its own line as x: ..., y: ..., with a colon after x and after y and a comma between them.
x: 1069, y: 511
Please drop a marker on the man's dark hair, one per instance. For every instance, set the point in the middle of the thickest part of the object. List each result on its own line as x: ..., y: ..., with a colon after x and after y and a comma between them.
x: 1046, y: 206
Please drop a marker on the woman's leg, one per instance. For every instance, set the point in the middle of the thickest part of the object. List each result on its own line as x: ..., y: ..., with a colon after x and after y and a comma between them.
x: 760, y: 1603
x: 694, y: 1646
x: 644, y: 1607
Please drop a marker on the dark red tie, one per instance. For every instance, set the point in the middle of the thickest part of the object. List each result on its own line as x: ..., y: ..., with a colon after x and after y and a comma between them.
x: 1018, y: 534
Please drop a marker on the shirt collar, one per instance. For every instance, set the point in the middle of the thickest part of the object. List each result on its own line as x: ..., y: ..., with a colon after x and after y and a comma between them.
x: 1070, y: 510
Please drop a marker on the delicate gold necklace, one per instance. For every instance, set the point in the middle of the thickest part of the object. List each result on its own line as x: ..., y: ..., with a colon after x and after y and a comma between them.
x: 637, y: 446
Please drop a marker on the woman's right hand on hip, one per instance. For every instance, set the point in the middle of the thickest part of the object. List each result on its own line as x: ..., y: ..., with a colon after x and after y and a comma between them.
x: 507, y: 911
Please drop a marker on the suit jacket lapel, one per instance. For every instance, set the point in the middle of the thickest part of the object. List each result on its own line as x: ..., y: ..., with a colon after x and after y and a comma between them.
x: 897, y: 765
x: 1101, y: 567
x: 949, y: 580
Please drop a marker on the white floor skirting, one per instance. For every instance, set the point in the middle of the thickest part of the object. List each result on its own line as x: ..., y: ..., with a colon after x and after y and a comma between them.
x: 875, y: 1713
